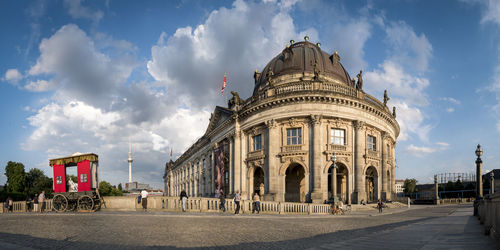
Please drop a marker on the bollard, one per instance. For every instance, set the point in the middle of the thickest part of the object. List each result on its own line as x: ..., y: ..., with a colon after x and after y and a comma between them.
x: 408, y: 202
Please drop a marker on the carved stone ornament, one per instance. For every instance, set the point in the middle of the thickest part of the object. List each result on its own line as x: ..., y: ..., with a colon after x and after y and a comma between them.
x: 335, y: 57
x: 254, y: 131
x: 292, y: 122
x: 316, y: 70
x: 337, y: 122
x: 271, y: 123
x: 315, y: 119
x: 358, y: 125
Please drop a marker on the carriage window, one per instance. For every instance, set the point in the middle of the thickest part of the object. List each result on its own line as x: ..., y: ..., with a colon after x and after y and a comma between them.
x: 294, y: 136
x: 83, y: 178
x: 59, y: 180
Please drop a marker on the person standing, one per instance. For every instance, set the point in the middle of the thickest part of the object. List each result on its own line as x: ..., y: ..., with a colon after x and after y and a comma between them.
x: 41, y: 201
x: 256, y: 203
x: 237, y: 198
x: 222, y: 200
x: 11, y: 204
x: 35, y: 203
x: 184, y: 198
x: 144, y: 199
x: 379, y: 205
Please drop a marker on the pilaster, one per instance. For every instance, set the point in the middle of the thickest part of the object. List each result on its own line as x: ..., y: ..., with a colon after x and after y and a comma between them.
x: 359, y: 188
x: 316, y: 140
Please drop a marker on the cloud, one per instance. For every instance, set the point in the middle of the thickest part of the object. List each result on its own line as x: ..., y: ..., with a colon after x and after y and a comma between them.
x: 39, y: 86
x: 492, y: 13
x: 450, y: 110
x: 419, y: 151
x: 12, y: 76
x: 450, y: 100
x: 76, y: 10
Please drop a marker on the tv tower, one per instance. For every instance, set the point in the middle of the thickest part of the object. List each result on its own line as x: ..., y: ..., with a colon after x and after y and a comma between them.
x: 130, y: 160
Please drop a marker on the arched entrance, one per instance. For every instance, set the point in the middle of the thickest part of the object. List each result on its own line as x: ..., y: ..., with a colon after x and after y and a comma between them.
x: 371, y: 183
x: 258, y: 181
x: 341, y: 182
x: 295, y: 183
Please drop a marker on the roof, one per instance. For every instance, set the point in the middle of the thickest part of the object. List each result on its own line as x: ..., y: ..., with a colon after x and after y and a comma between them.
x: 73, y: 159
x: 304, y: 57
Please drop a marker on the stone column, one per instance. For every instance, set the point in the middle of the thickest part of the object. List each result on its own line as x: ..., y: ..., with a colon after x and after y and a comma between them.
x: 385, y: 156
x: 231, y: 165
x: 237, y: 159
x: 479, y: 179
x: 271, y: 177
x: 315, y: 167
x: 492, y: 182
x: 246, y: 194
x: 359, y: 188
x: 195, y: 191
x: 212, y: 172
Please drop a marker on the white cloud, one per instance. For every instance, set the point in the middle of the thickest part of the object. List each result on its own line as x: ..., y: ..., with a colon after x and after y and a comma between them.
x: 419, y: 150
x: 450, y: 110
x: 492, y: 13
x: 39, y: 86
x: 12, y: 76
x: 76, y: 10
x: 450, y: 100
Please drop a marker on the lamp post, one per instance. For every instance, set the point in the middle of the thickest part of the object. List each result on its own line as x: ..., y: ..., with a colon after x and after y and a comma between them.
x: 334, y: 176
x: 492, y: 182
x: 479, y: 183
x: 479, y: 179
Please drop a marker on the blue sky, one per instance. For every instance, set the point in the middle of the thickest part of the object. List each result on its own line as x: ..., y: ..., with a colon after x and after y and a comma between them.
x: 88, y: 76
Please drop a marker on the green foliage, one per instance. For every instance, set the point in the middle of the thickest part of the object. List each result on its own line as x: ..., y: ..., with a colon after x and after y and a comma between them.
x: 105, y: 189
x: 409, y: 185
x: 120, y: 187
x: 459, y: 185
x: 450, y: 186
x: 73, y: 178
x: 37, y: 181
x: 16, y: 177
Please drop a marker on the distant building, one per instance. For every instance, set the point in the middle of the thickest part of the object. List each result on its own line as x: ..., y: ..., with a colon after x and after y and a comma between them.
x: 399, y: 186
x: 486, y: 179
x: 136, y: 186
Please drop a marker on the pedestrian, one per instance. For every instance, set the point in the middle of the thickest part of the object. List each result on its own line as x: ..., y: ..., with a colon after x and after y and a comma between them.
x: 11, y: 204
x: 144, y: 199
x: 28, y: 203
x: 35, y: 203
x: 256, y: 203
x: 222, y: 201
x: 379, y: 205
x: 184, y: 198
x: 41, y: 201
x: 237, y: 198
x: 6, y: 206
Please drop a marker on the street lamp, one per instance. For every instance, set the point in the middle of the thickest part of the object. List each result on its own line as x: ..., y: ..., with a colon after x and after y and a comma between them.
x: 479, y: 182
x: 334, y: 176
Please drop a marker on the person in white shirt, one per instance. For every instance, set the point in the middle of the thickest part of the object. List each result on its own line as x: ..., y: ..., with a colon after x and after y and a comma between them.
x: 144, y: 199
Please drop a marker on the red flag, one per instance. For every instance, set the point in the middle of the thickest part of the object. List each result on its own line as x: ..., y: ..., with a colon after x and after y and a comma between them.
x: 223, y: 84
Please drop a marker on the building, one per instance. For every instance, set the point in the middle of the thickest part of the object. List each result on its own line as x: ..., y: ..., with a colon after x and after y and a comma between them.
x: 400, y: 186
x: 136, y: 186
x: 279, y: 141
x: 487, y: 181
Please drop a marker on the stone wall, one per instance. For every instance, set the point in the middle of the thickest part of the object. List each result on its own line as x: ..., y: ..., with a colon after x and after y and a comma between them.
x: 489, y: 214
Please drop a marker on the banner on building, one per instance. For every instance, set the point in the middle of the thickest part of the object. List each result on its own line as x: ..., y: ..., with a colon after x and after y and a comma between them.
x: 219, y: 169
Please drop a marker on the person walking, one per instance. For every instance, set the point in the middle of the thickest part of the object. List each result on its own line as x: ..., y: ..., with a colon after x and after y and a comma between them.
x: 222, y: 201
x: 144, y: 199
x: 237, y: 198
x: 41, y: 201
x: 184, y: 198
x: 379, y: 205
x: 35, y: 203
x: 256, y: 203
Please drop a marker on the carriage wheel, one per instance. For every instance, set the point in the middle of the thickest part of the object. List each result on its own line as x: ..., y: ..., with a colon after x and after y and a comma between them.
x: 60, y: 203
x: 85, y: 203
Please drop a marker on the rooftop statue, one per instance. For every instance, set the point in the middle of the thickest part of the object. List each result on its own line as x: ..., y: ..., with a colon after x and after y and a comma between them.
x: 386, y: 98
x: 359, y: 85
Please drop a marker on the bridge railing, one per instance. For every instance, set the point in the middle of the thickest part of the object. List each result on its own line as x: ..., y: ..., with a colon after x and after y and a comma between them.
x: 489, y: 214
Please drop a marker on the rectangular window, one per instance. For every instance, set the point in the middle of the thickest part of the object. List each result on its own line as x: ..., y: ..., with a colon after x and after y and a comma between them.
x: 83, y: 178
x: 337, y: 136
x: 257, y: 142
x: 372, y: 143
x: 59, y: 180
x: 294, y: 136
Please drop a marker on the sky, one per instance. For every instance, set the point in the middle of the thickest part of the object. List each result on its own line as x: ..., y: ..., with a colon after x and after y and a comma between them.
x: 92, y: 76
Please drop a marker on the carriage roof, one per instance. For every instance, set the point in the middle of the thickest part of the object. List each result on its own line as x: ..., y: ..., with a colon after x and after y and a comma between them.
x: 74, y: 159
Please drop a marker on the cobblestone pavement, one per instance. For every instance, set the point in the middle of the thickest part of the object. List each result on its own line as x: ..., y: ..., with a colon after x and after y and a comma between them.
x: 416, y: 228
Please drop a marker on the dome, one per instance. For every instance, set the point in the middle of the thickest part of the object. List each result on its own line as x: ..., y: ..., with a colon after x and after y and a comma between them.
x: 303, y: 57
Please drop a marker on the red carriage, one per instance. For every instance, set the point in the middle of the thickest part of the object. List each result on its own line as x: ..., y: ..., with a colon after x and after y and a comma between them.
x: 81, y: 196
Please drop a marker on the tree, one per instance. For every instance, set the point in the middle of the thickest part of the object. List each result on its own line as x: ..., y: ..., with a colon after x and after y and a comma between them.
x: 105, y: 188
x: 37, y: 181
x: 120, y: 187
x: 16, y: 177
x: 450, y: 186
x: 409, y: 186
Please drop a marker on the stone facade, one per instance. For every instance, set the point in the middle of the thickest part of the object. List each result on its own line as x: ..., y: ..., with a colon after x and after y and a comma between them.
x: 279, y: 141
